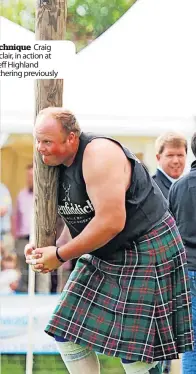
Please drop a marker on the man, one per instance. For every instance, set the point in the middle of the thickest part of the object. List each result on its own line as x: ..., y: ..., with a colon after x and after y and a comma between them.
x: 182, y: 198
x: 22, y: 225
x: 120, y: 298
x: 171, y: 151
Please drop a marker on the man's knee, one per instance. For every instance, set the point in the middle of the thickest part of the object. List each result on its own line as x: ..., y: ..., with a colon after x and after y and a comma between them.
x: 70, y: 351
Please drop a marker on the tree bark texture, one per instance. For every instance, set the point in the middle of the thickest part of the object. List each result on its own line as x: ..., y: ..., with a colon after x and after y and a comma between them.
x: 50, y: 25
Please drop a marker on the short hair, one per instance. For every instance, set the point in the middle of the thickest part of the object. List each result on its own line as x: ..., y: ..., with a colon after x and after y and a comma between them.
x: 172, y: 139
x: 193, y: 144
x: 65, y: 117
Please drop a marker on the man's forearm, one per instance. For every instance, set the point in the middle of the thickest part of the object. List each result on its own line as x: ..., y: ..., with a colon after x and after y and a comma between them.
x: 95, y: 235
x: 64, y: 238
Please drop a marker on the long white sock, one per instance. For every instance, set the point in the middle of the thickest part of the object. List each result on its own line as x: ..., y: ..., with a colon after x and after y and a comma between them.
x: 85, y: 365
x: 138, y: 367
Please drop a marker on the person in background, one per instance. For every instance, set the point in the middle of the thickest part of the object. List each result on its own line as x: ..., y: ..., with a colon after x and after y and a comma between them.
x: 9, y: 275
x: 6, y: 238
x: 21, y: 225
x: 171, y: 151
x: 182, y: 203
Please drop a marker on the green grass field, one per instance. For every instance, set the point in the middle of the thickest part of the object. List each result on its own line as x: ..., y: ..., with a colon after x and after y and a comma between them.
x: 43, y: 364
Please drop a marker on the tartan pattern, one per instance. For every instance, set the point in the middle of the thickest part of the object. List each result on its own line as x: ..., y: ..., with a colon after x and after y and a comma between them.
x: 135, y: 305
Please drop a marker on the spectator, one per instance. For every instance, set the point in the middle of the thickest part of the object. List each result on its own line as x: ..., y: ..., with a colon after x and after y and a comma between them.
x: 182, y: 199
x: 10, y: 275
x: 21, y: 225
x: 171, y: 150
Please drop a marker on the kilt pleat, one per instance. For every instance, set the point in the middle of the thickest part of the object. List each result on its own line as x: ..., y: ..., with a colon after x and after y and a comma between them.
x: 134, y: 305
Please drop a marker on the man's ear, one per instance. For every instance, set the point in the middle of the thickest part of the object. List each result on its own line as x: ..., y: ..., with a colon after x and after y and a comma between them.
x: 158, y: 156
x: 71, y: 137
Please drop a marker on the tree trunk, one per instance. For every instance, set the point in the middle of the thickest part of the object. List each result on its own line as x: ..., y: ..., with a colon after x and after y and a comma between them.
x: 50, y: 25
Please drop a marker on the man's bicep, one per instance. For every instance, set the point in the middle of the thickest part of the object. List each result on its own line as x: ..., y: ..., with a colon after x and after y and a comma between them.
x: 105, y: 180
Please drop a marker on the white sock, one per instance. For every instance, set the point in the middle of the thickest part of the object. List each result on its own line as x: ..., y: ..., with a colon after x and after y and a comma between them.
x: 138, y: 367
x: 87, y: 365
x: 84, y: 365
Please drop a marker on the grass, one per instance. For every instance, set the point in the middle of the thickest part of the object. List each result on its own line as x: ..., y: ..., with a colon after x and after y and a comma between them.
x: 43, y: 364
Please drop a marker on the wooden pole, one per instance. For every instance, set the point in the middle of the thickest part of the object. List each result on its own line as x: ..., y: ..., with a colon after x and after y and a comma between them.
x: 50, y: 25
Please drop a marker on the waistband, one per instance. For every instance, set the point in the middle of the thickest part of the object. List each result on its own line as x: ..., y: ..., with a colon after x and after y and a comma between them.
x: 166, y: 222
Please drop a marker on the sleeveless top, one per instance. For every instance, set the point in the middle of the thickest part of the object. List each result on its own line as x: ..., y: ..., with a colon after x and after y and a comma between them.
x: 145, y: 204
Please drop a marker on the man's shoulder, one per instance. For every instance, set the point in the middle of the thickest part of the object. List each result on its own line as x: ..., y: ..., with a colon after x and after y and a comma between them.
x: 183, y: 181
x: 161, y: 177
x: 158, y: 174
x: 104, y: 147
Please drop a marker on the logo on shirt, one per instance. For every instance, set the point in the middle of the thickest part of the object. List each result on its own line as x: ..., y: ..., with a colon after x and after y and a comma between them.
x: 70, y: 208
x: 67, y: 192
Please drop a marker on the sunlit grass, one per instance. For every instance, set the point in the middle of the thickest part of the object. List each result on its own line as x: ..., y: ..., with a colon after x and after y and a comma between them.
x: 43, y: 364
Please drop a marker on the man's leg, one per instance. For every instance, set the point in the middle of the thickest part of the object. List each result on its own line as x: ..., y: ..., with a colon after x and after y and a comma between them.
x: 141, y: 367
x: 167, y: 366
x: 78, y: 360
x: 81, y: 360
x: 23, y: 266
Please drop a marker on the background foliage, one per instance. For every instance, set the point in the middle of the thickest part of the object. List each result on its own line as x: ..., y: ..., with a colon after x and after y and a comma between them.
x: 86, y: 19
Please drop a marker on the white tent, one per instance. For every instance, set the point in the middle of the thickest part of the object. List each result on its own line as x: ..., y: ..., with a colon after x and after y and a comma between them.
x: 139, y: 76
x: 17, y: 95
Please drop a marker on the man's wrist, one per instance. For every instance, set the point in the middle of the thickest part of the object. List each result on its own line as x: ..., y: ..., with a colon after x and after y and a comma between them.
x: 58, y: 256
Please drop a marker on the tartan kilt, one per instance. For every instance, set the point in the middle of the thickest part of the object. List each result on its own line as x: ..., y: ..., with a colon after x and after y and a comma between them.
x: 134, y: 305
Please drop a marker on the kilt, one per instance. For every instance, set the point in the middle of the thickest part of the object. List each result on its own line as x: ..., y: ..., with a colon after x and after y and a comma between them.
x: 135, y: 305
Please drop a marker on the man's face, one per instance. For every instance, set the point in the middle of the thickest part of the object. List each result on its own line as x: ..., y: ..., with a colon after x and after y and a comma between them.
x: 172, y: 160
x: 52, y: 142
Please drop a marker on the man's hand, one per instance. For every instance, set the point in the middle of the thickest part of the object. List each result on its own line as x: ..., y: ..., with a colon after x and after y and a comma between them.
x: 43, y: 258
x: 29, y: 248
x: 30, y: 255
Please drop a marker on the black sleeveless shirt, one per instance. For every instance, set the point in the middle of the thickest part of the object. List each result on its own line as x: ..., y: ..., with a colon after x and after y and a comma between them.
x: 145, y: 204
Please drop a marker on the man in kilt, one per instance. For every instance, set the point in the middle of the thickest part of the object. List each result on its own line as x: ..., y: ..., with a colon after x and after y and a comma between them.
x: 128, y: 295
